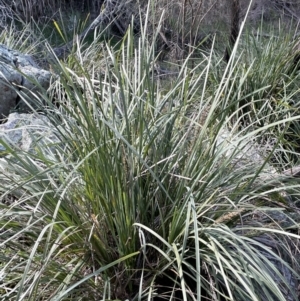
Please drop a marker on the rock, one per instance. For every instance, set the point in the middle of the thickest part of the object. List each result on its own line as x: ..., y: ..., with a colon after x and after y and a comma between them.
x: 287, y: 281
x: 243, y: 151
x: 21, y: 80
x: 27, y: 132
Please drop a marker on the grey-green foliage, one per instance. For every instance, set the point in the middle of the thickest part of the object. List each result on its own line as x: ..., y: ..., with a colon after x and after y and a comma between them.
x: 141, y: 191
x: 264, y: 88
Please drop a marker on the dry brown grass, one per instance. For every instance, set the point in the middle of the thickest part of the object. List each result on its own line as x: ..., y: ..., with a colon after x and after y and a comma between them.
x: 185, y: 24
x: 27, y: 9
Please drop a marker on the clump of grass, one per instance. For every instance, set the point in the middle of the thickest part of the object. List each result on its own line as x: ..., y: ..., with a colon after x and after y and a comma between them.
x: 145, y: 193
x: 264, y: 89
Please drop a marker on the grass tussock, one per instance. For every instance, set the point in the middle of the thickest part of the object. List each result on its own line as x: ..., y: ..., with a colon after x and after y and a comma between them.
x: 156, y: 187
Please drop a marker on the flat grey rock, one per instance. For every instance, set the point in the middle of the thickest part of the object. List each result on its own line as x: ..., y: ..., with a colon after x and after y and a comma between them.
x: 26, y: 132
